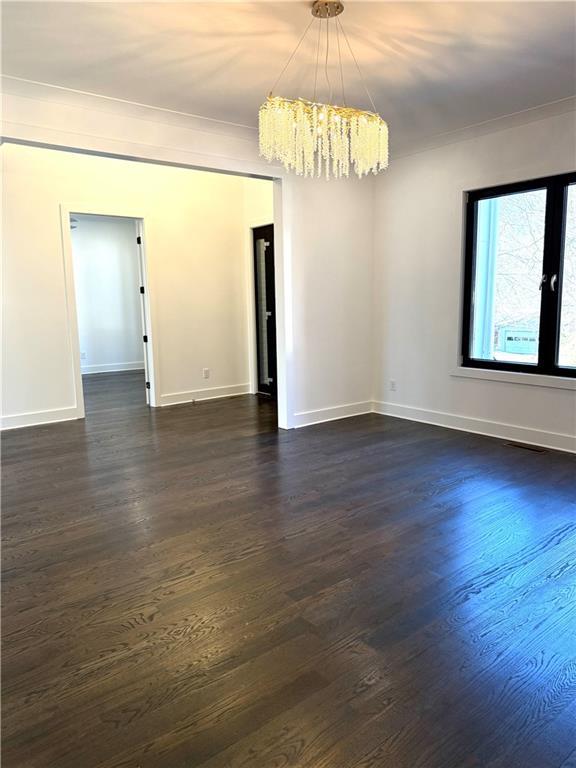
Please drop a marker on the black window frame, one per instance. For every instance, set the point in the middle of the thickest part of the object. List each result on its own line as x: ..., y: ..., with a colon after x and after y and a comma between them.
x: 552, y: 263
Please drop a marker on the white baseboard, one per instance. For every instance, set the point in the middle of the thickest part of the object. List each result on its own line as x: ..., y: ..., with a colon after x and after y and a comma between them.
x: 113, y: 367
x: 15, y: 421
x: 306, y: 418
x: 556, y: 440
x: 211, y: 393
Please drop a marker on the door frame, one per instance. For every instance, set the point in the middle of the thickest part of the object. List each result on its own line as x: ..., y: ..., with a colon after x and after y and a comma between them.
x: 145, y: 312
x: 66, y: 210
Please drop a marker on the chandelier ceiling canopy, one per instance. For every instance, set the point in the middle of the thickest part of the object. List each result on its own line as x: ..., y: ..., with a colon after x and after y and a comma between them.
x: 314, y: 138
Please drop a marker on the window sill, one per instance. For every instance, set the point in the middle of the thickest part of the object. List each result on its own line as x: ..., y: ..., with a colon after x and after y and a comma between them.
x: 514, y: 377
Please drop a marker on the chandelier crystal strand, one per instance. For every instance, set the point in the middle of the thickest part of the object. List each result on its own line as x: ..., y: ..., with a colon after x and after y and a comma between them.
x: 322, y: 139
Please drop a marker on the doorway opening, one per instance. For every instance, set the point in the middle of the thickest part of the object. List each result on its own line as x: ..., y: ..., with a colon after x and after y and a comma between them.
x: 111, y: 310
x: 265, y: 304
x: 202, y: 273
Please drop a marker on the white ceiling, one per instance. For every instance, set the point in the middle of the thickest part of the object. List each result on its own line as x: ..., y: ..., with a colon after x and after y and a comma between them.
x: 432, y: 67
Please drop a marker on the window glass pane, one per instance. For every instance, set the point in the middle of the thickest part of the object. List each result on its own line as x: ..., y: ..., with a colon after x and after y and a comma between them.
x: 567, y: 345
x: 508, y: 270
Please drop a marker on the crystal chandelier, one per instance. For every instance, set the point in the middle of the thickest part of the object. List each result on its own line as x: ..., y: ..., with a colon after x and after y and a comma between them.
x: 313, y: 138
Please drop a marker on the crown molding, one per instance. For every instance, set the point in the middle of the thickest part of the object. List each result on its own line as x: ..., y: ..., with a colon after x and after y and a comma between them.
x: 502, y: 123
x: 46, y: 115
x: 97, y: 103
x: 48, y: 92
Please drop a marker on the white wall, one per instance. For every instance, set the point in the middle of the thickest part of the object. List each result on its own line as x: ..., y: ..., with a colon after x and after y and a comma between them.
x: 418, y: 275
x: 330, y: 239
x: 106, y: 278
x: 339, y: 261
x: 194, y: 231
x: 332, y: 293
x: 315, y: 253
x: 328, y: 231
x: 258, y: 204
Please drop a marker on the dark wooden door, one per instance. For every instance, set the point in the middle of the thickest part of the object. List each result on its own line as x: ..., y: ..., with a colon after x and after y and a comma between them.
x: 265, y: 309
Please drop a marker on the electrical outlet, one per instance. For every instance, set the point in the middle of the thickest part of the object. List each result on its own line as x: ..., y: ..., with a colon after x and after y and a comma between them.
x: 205, y: 373
x: 83, y: 355
x: 392, y: 385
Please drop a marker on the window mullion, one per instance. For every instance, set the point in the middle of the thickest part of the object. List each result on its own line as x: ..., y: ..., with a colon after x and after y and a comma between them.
x: 549, y: 308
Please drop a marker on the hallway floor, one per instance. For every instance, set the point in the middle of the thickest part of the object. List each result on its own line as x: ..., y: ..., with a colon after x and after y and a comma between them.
x: 107, y: 391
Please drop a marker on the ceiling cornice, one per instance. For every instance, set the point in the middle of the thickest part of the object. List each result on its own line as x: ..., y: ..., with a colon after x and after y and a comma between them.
x: 49, y: 92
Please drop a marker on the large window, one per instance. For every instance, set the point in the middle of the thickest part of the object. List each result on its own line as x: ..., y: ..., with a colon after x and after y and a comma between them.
x: 520, y: 277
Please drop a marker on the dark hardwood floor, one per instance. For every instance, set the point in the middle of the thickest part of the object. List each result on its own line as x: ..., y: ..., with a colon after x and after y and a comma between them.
x: 188, y: 587
x: 109, y: 391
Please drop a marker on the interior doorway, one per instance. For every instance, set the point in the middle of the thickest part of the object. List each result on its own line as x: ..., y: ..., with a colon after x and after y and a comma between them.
x: 111, y: 310
x: 265, y: 303
x: 202, y: 289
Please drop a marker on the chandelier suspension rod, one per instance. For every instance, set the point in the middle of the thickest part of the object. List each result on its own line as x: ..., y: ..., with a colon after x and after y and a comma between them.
x: 340, y: 63
x: 294, y: 52
x: 357, y: 65
x: 339, y: 28
x: 326, y: 59
x: 317, y: 59
x: 328, y: 17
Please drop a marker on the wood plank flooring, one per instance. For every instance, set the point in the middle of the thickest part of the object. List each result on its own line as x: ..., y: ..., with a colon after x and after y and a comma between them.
x: 189, y: 587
